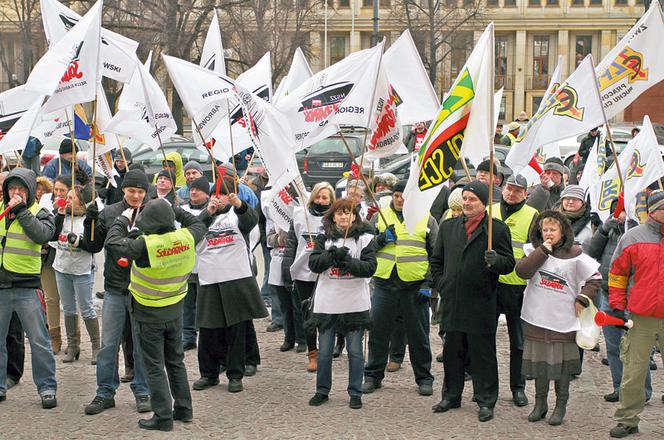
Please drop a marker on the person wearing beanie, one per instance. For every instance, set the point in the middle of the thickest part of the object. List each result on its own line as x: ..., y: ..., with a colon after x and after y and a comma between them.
x: 519, y: 217
x: 635, y: 287
x: 546, y: 194
x: 192, y: 171
x: 483, y: 174
x: 401, y: 290
x: 243, y: 191
x: 25, y: 228
x: 513, y: 129
x: 165, y: 189
x: 465, y: 273
x: 135, y: 187
x: 574, y: 206
x: 59, y: 166
x: 199, y: 195
x: 173, y: 163
x: 162, y: 258
x: 107, y: 192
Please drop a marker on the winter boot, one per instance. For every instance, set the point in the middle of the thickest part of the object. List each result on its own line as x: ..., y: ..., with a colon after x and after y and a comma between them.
x: 541, y: 407
x: 313, y: 361
x: 562, y: 394
x: 73, y: 338
x: 56, y: 339
x: 92, y: 325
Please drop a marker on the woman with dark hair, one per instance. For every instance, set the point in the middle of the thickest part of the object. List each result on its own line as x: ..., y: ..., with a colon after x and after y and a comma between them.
x: 562, y: 281
x: 345, y: 257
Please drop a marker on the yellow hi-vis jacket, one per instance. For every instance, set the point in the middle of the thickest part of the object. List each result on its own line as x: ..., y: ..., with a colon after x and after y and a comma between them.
x: 519, y: 224
x: 409, y: 253
x: 20, y: 254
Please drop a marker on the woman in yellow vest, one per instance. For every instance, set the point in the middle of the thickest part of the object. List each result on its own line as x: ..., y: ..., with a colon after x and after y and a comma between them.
x: 161, y: 259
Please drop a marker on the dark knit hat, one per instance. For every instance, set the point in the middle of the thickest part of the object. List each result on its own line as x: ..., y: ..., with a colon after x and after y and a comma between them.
x: 66, y: 147
x: 127, y: 155
x: 655, y: 201
x: 167, y: 174
x: 230, y: 170
x: 400, y: 186
x: 484, y: 166
x: 201, y: 184
x: 135, y: 179
x: 554, y: 164
x: 157, y: 217
x: 193, y: 165
x: 479, y: 189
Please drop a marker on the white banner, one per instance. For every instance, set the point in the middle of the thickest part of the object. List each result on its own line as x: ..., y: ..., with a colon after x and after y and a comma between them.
x: 298, y: 73
x: 212, y: 55
x: 16, y: 138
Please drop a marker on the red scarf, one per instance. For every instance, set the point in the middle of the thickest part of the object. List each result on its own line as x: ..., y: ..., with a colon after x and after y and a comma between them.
x: 471, y: 224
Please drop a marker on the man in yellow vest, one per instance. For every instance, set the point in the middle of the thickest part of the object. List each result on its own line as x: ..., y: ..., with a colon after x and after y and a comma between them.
x: 23, y: 230
x: 403, y: 266
x: 518, y: 216
x: 161, y: 259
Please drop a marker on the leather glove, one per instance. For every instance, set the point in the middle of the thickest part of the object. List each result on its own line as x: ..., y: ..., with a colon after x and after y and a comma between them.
x: 73, y: 239
x: 490, y: 257
x: 92, y: 212
x: 371, y: 210
x: 594, y: 219
x: 134, y: 234
x: 341, y: 253
x: 609, y: 224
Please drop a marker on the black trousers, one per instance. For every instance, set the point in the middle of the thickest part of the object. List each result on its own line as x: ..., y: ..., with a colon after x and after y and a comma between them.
x: 227, y: 346
x: 398, y: 341
x: 304, y: 290
x: 15, y: 349
x: 292, y: 314
x: 162, y: 349
x: 128, y: 344
x: 481, y: 349
x: 510, y: 300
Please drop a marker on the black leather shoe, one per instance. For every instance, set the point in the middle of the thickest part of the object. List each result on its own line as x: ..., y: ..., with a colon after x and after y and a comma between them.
x: 235, y: 385
x: 250, y: 370
x: 605, y: 361
x: 612, y: 397
x: 188, y: 346
x: 154, y: 424
x: 485, y: 414
x: 287, y: 346
x: 439, y: 358
x: 425, y: 389
x: 355, y: 402
x: 369, y: 386
x: 183, y: 415
x: 301, y: 348
x: 318, y: 399
x: 274, y: 327
x: 621, y: 431
x: 98, y: 405
x: 520, y: 398
x: 445, y: 405
x: 205, y: 382
x: 3, y: 397
x: 48, y: 401
x: 11, y: 383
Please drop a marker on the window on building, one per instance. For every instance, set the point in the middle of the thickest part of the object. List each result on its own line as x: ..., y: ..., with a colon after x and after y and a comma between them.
x: 503, y: 108
x: 337, y: 49
x: 459, y: 52
x: 534, y: 3
x: 451, y: 3
x: 536, y: 103
x: 501, y: 55
x: 584, y: 45
x: 344, y: 3
x: 367, y: 3
x: 577, y: 2
x: 552, y: 2
x: 621, y: 2
x: 540, y: 61
x: 385, y: 3
x: 492, y: 3
x: 595, y: 2
x: 510, y: 3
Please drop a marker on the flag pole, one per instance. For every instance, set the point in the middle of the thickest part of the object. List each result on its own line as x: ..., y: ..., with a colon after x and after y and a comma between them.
x: 215, y: 170
x: 306, y: 214
x: 122, y: 154
x: 465, y: 165
x: 73, y: 159
x: 491, y: 130
x: 94, y: 164
x: 230, y: 132
x: 608, y: 129
x: 250, y: 161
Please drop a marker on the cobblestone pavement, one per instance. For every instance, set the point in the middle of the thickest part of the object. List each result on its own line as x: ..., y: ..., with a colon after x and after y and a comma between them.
x: 274, y: 405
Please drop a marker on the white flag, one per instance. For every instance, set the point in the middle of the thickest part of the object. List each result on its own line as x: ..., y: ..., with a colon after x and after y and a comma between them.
x: 418, y: 100
x: 212, y: 56
x: 635, y: 64
x: 298, y: 73
x: 311, y: 107
x: 640, y: 164
x: 258, y: 79
x: 13, y: 104
x: 17, y: 136
x: 450, y: 130
x: 591, y: 178
x: 547, y: 151
x: 385, y: 127
x: 143, y: 112
x: 117, y: 51
x: 69, y: 71
x: 106, y: 141
x: 281, y: 202
x: 568, y: 109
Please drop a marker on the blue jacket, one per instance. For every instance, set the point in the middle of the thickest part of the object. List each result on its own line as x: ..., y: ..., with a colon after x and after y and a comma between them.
x: 52, y: 170
x: 244, y: 193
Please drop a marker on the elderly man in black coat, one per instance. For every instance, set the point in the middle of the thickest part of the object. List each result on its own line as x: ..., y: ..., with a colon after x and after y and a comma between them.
x: 466, y: 274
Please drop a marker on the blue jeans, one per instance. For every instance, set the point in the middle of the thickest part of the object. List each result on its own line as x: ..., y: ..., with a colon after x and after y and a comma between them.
x: 612, y: 338
x: 355, y: 362
x: 189, y: 314
x: 113, y: 315
x: 76, y: 289
x: 25, y: 303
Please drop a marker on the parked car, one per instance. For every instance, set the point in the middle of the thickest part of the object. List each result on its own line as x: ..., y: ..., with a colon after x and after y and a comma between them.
x: 327, y: 160
x: 152, y: 160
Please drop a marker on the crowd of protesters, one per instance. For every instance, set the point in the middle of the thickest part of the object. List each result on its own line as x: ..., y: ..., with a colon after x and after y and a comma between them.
x: 179, y: 274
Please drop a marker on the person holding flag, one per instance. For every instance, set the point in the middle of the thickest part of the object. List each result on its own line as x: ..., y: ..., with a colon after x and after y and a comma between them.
x: 465, y: 266
x: 61, y: 166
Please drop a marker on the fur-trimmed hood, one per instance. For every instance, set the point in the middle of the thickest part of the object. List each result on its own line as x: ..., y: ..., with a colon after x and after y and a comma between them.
x: 535, y: 234
x: 355, y: 231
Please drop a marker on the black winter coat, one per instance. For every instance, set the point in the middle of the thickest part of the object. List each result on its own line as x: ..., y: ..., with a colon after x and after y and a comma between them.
x: 466, y: 286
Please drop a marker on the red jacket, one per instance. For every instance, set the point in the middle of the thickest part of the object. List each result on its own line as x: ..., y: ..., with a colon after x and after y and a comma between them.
x: 638, y: 265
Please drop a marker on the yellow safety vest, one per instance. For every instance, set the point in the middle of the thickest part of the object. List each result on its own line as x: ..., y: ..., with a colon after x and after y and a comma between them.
x: 511, y: 138
x: 518, y: 222
x: 172, y: 256
x: 19, y: 253
x: 409, y: 253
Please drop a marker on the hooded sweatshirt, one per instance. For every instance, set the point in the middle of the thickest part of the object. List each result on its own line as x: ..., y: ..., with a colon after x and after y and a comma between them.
x: 180, y: 180
x: 38, y: 228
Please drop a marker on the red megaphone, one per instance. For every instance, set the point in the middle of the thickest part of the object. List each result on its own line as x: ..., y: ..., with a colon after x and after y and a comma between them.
x: 61, y: 202
x: 603, y: 319
x: 123, y: 262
